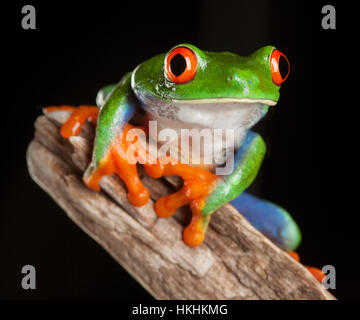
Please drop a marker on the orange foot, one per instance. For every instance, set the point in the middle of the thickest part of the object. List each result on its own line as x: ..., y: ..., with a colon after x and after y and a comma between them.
x: 77, y: 118
x: 116, y: 161
x: 198, y: 184
x: 317, y: 273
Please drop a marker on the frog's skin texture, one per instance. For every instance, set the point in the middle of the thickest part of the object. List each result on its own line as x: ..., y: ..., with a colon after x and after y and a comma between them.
x: 213, y: 90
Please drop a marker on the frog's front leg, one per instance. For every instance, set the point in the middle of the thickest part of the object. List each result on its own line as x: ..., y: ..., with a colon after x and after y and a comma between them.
x: 198, y: 184
x: 117, y: 105
x: 112, y: 143
x: 206, y: 192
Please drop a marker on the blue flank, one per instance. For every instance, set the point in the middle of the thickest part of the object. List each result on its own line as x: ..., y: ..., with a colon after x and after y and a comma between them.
x: 126, y: 113
x: 271, y: 220
x: 245, y: 146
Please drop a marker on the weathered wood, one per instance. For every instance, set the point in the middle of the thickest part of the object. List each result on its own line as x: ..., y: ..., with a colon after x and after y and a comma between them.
x: 234, y: 262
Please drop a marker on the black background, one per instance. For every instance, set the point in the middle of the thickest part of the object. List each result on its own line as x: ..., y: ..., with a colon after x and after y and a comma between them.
x: 77, y: 49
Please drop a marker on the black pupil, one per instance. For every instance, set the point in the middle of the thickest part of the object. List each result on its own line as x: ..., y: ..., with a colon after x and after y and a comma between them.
x: 178, y: 64
x: 283, y: 67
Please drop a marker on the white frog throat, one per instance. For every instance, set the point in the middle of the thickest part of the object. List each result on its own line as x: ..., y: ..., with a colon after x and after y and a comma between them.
x: 212, y: 130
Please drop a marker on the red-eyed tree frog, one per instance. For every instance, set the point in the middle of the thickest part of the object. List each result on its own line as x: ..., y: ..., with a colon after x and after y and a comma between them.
x: 188, y: 88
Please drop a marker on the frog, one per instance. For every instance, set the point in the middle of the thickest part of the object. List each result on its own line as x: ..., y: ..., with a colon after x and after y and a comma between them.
x: 189, y: 88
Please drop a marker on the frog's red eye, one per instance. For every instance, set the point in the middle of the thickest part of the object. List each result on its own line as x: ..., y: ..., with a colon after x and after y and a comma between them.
x: 280, y: 67
x: 180, y: 65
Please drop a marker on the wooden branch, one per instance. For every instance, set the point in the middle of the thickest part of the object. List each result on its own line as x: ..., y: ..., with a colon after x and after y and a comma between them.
x: 234, y: 262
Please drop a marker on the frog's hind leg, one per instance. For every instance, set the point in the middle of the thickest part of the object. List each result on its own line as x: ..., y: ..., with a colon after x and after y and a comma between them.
x: 77, y: 118
x: 317, y: 273
x: 270, y: 219
x: 275, y: 223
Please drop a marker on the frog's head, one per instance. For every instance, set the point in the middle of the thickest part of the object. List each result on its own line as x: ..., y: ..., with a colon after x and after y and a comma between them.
x: 212, y: 89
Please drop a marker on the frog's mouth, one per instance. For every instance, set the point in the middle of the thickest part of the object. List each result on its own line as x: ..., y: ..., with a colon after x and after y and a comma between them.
x: 221, y: 113
x: 227, y: 100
